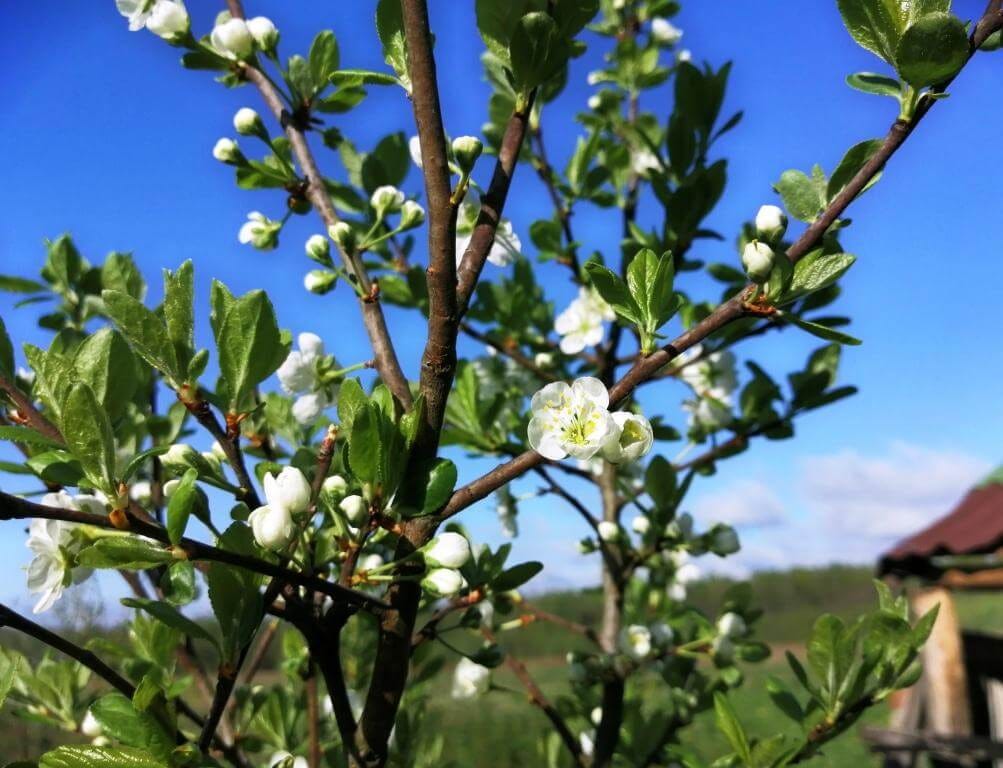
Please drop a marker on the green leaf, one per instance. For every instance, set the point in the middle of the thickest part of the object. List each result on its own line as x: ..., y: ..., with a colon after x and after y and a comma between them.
x: 251, y: 347
x: 428, y: 487
x: 105, y: 362
x: 390, y: 28
x: 9, y: 669
x: 146, y: 332
x: 932, y: 50
x: 818, y: 271
x: 349, y: 78
x: 649, y: 279
x: 57, y: 467
x: 728, y: 724
x: 497, y: 20
x: 90, y: 756
x: 181, y: 504
x: 351, y: 399
x: 800, y: 195
x: 660, y: 481
x: 120, y: 273
x: 125, y: 552
x: 179, y: 317
x: 365, y: 448
x: 534, y: 51
x: 614, y: 292
x: 27, y: 436
x: 6, y: 352
x: 855, y: 159
x: 178, y: 583
x: 871, y: 24
x: 122, y: 722
x: 323, y: 57
x: 516, y: 576
x: 137, y: 461
x: 879, y: 85
x: 784, y: 700
x: 170, y: 616
x: 12, y: 284
x: 87, y: 431
x: 821, y: 331
x: 234, y: 593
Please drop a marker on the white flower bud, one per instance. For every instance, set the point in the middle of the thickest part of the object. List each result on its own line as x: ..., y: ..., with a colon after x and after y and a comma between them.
x: 466, y: 150
x: 412, y: 215
x: 448, y: 550
x: 543, y: 359
x: 724, y: 541
x: 334, y: 486
x: 170, y: 487
x: 140, y: 492
x: 443, y: 582
x: 371, y: 562
x: 596, y: 716
x: 594, y: 101
x: 318, y: 248
x: 470, y: 680
x: 89, y: 726
x: 757, y: 259
x: 771, y: 223
x: 685, y: 55
x: 217, y: 450
x: 664, y: 32
x: 414, y: 147
x: 232, y: 39
x: 608, y: 530
x: 355, y: 509
x: 260, y: 231
x: 226, y: 151
x: 169, y: 21
x: 273, y: 527
x: 641, y: 524
x: 731, y: 625
x: 290, y: 490
x: 635, y: 641
x: 386, y: 199
x: 320, y: 281
x: 180, y: 457
x: 265, y: 35
x: 247, y: 122
x: 633, y: 439
x: 343, y: 236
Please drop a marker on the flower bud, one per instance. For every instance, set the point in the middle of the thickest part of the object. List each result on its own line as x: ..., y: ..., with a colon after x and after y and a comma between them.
x: 731, y: 625
x: 414, y: 148
x: 89, y: 726
x: 371, y: 562
x: 318, y: 248
x: 355, y: 509
x: 169, y: 20
x: 771, y: 223
x: 635, y: 641
x: 140, y: 492
x: 470, y: 679
x: 386, y: 199
x: 664, y: 32
x: 232, y: 39
x: 247, y: 122
x: 320, y: 281
x: 448, y: 550
x: 272, y: 526
x: 466, y: 150
x: 663, y: 634
x: 260, y: 231
x: 179, y: 458
x: 757, y: 259
x: 334, y: 487
x: 214, y: 462
x: 217, y: 450
x: 632, y: 440
x: 724, y: 541
x: 443, y: 582
x: 608, y: 531
x: 641, y: 524
x: 722, y: 648
x: 681, y: 528
x: 290, y: 490
x: 412, y: 215
x: 265, y: 35
x: 596, y: 716
x: 343, y: 236
x: 170, y: 487
x: 226, y: 151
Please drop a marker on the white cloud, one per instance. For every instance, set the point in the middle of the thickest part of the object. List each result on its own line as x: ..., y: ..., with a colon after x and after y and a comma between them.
x: 885, y: 497
x: 745, y: 504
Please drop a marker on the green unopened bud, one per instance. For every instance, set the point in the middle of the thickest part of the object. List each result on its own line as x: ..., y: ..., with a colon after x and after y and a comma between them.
x: 412, y: 215
x: 723, y: 541
x: 247, y: 122
x: 466, y: 150
x: 343, y: 236
x: 757, y: 259
x: 320, y: 281
x: 318, y: 248
x: 386, y: 199
x: 771, y: 223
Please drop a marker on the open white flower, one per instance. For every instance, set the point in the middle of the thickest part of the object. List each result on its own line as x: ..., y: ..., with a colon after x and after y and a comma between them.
x: 289, y: 490
x: 635, y: 641
x: 308, y: 407
x: 232, y: 39
x: 581, y: 324
x: 470, y: 679
x: 259, y: 231
x: 571, y: 420
x: 713, y: 374
x: 136, y: 11
x: 634, y: 438
x: 54, y: 547
x: 298, y: 372
x: 448, y: 550
x: 272, y: 526
x: 508, y: 520
x: 504, y: 249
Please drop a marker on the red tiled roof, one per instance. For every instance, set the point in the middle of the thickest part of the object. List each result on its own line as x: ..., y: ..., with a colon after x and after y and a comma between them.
x: 973, y: 527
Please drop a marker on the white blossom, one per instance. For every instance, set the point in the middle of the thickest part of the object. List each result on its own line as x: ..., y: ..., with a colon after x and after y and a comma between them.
x: 581, y: 324
x: 386, y: 199
x: 504, y: 249
x: 272, y: 526
x: 634, y: 438
x: 771, y: 223
x: 355, y: 509
x: 509, y: 521
x: 140, y: 492
x: 265, y: 35
x: 448, y: 550
x: 289, y: 489
x: 641, y: 524
x: 306, y: 408
x: 298, y: 372
x: 136, y: 11
x: 247, y: 122
x: 371, y: 562
x: 54, y: 548
x: 596, y: 716
x: 169, y: 20
x: 414, y: 147
x: 644, y: 161
x: 232, y: 39
x: 443, y: 582
x: 664, y: 32
x: 635, y: 641
x: 226, y: 151
x: 757, y: 260
x: 685, y: 55
x: 712, y: 374
x: 608, y: 530
x: 708, y: 413
x: 571, y: 420
x: 470, y: 679
x: 587, y: 743
x: 259, y: 231
x: 731, y: 625
x: 89, y: 726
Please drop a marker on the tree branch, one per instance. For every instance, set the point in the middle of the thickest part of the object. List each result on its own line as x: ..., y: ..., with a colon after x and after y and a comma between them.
x: 27, y: 412
x: 230, y: 443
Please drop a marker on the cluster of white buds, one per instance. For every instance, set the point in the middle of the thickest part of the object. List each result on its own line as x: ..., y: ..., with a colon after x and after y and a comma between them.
x: 714, y: 380
x: 288, y: 496
x: 444, y: 556
x: 758, y: 256
x: 299, y: 375
x: 574, y: 420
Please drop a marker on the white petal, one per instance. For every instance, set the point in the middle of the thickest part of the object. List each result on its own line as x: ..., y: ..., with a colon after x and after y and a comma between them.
x: 593, y: 390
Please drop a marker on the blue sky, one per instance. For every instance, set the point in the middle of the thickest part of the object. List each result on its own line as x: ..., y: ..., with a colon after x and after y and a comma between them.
x: 108, y: 138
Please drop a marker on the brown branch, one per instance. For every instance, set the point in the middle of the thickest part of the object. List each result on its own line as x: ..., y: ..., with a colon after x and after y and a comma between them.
x: 230, y: 444
x: 431, y: 627
x: 27, y: 411
x: 16, y: 508
x: 387, y: 364
x: 532, y: 613
x: 313, y: 719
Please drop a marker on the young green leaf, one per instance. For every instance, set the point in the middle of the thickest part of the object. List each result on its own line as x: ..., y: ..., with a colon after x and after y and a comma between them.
x: 123, y: 552
x: 728, y: 724
x: 816, y: 272
x: 181, y: 505
x: 535, y: 51
x: 6, y: 352
x: 365, y: 448
x: 91, y: 756
x: 251, y: 346
x: 323, y: 57
x: 871, y: 24
x: 105, y: 362
x: 172, y: 617
x: 146, y: 332
x: 179, y: 317
x: 932, y: 50
x: 614, y: 292
x: 516, y: 576
x: 800, y: 195
x: 822, y: 331
x: 390, y: 28
x: 855, y: 159
x: 879, y: 85
x: 87, y: 431
x: 123, y: 723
